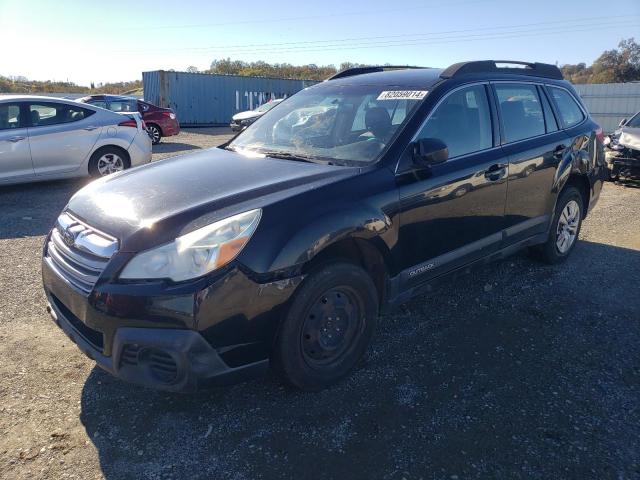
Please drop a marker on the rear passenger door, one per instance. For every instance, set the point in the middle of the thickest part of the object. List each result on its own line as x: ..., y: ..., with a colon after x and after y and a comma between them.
x: 535, y: 145
x: 61, y: 136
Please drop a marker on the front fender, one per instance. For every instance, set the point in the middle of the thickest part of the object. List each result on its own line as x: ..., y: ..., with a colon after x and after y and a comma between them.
x: 359, y: 222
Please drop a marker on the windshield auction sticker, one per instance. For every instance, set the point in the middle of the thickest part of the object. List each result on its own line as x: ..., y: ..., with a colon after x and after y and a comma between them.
x: 402, y: 95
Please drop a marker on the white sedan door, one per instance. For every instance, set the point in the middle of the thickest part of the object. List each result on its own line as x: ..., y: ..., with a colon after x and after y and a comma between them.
x: 15, y: 157
x: 61, y: 136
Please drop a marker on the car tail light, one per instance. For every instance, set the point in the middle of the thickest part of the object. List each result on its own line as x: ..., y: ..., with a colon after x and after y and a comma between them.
x: 600, y: 134
x: 128, y: 123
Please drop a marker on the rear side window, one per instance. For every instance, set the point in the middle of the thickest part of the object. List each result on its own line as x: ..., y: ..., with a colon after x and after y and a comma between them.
x: 44, y: 114
x: 570, y: 112
x: 98, y: 103
x: 9, y: 116
x: 520, y: 110
x: 123, y: 105
x: 462, y: 121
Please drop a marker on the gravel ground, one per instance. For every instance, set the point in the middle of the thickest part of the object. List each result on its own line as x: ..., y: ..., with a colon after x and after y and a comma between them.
x: 518, y: 370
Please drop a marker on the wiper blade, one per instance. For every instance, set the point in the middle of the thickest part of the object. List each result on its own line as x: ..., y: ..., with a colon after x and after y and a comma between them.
x: 291, y: 156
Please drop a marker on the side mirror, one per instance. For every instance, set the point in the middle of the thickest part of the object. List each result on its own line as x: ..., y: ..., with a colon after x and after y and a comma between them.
x: 429, y: 151
x: 622, y: 122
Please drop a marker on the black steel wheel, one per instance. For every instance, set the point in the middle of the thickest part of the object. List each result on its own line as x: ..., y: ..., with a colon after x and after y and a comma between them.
x: 327, y: 328
x: 331, y: 327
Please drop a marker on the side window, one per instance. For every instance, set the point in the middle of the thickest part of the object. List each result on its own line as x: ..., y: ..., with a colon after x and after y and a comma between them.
x: 570, y: 113
x: 462, y: 121
x: 123, y: 105
x: 520, y: 110
x: 9, y: 116
x: 98, y: 103
x: 549, y: 118
x: 44, y: 114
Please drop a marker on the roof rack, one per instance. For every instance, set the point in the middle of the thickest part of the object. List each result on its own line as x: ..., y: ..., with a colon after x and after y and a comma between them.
x: 350, y: 72
x: 491, y: 66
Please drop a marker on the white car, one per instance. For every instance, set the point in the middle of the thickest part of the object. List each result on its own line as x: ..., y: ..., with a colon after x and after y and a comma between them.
x: 44, y: 138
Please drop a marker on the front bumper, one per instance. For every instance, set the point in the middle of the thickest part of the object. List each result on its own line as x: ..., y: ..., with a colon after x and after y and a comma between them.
x: 178, y: 338
x: 620, y: 164
x: 165, y: 359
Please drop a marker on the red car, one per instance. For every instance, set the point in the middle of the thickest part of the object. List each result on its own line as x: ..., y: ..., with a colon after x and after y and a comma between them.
x: 160, y: 122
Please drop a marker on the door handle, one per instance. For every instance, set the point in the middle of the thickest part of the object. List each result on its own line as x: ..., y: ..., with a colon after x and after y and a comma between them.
x: 15, y: 139
x: 496, y: 172
x: 559, y: 151
x: 92, y: 127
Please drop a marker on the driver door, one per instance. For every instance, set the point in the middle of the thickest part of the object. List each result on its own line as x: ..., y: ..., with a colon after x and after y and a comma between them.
x: 453, y: 213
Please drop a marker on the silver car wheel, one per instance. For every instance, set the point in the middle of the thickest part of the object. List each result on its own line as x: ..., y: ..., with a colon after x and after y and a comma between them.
x: 110, y: 163
x: 154, y: 133
x: 568, y: 223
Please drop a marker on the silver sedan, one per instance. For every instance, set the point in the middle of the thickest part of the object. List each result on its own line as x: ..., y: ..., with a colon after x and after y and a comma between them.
x: 43, y: 138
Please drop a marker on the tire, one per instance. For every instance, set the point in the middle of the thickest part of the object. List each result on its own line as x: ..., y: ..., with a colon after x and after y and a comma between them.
x: 155, y: 133
x: 565, y: 219
x: 98, y: 163
x: 327, y: 328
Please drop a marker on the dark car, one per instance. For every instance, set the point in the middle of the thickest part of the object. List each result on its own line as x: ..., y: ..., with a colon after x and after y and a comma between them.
x: 242, y: 120
x: 160, y: 122
x: 280, y: 248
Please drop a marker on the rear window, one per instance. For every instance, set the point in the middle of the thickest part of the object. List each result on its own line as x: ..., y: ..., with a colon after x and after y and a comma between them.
x: 570, y: 112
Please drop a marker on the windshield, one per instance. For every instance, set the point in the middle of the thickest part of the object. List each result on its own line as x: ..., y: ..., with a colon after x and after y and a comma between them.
x: 343, y: 124
x: 634, y: 122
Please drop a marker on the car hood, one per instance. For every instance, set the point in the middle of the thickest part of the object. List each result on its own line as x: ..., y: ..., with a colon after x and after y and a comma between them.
x: 245, y: 115
x: 156, y: 202
x: 630, y: 137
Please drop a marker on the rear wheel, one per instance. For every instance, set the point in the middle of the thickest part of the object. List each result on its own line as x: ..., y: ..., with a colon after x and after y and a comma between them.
x: 565, y: 228
x: 327, y: 328
x: 108, y: 160
x: 155, y: 133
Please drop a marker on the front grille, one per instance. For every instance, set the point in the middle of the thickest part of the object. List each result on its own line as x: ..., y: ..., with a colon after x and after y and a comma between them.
x: 161, y: 364
x: 79, y: 253
x: 92, y: 336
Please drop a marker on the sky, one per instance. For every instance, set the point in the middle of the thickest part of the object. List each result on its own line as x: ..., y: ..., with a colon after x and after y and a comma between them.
x: 97, y: 41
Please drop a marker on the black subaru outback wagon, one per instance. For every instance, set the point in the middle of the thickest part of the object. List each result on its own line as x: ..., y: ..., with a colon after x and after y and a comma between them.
x: 281, y: 247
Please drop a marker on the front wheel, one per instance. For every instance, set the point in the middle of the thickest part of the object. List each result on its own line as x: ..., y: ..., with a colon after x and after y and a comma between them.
x: 327, y: 328
x: 565, y: 228
x: 155, y: 134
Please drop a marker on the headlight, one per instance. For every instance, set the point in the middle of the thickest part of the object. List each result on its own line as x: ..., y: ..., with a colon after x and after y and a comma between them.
x: 196, y: 253
x: 172, y: 116
x: 247, y: 121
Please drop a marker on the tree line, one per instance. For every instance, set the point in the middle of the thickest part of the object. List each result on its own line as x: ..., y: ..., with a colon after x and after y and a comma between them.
x: 21, y: 84
x: 617, y: 65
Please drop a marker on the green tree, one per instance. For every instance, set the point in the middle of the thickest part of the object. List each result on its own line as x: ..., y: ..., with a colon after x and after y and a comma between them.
x: 613, y: 66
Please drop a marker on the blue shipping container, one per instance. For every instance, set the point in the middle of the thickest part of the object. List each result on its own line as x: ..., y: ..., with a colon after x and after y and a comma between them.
x: 201, y: 99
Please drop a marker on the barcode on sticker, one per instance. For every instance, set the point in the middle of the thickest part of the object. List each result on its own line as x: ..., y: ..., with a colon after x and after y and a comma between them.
x: 402, y: 95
